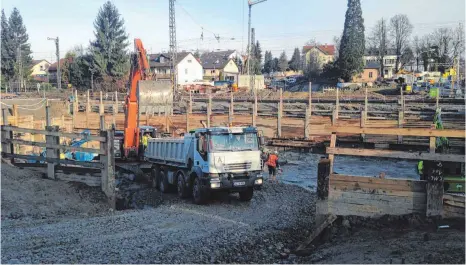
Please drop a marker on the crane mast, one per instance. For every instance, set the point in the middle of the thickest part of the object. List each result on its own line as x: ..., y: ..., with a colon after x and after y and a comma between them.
x: 173, y: 51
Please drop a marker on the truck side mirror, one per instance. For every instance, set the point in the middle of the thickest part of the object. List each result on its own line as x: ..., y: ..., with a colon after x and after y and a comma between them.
x: 261, y: 140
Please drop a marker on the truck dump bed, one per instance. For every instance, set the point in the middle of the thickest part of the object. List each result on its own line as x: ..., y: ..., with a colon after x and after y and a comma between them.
x: 168, y: 150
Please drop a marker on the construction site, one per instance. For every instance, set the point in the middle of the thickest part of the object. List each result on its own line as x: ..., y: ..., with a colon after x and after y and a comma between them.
x: 234, y: 170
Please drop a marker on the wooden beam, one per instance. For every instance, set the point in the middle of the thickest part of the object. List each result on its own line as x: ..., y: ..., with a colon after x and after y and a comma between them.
x: 333, y: 142
x: 394, y: 154
x: 54, y: 160
x: 53, y: 146
x: 397, y: 131
x: 88, y: 108
x: 60, y: 134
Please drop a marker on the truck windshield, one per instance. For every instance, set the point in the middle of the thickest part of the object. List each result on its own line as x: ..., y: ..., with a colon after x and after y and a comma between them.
x: 233, y: 142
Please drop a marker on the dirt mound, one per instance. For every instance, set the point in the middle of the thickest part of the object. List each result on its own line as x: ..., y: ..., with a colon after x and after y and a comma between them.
x: 26, y: 194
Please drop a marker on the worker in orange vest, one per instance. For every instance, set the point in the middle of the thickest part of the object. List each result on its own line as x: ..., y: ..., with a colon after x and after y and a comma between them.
x: 272, y: 164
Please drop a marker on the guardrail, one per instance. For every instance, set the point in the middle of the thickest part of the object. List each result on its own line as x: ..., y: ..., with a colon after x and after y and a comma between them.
x: 106, y: 162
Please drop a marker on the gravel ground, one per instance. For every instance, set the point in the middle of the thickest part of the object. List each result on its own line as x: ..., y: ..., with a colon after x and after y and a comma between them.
x: 177, y: 231
x: 79, y: 228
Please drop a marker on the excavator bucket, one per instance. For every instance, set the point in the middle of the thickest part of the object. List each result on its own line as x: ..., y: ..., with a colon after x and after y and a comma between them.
x: 155, y: 97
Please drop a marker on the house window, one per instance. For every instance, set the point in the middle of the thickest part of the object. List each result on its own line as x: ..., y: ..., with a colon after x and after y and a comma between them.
x: 186, y: 71
x: 42, y: 68
x: 370, y: 74
x: 190, y: 61
x: 212, y: 71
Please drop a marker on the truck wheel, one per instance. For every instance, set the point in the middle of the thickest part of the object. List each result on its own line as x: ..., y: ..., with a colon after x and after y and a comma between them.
x: 154, y: 180
x: 163, y: 182
x: 181, y: 186
x: 246, y: 195
x: 199, y: 196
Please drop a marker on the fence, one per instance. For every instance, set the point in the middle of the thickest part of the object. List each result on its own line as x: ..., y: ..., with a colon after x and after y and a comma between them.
x: 369, y: 196
x: 52, y: 134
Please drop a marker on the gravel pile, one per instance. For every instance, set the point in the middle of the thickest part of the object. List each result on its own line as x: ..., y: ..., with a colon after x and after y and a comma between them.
x: 264, y: 230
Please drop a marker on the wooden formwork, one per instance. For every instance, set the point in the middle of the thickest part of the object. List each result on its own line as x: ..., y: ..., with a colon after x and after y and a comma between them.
x: 377, y: 196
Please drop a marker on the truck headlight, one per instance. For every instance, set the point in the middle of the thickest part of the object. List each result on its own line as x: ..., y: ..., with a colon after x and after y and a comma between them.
x: 258, y: 182
x: 215, y: 185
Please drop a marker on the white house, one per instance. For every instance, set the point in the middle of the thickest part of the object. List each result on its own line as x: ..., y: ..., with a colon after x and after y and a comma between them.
x: 187, y: 66
x: 389, y: 59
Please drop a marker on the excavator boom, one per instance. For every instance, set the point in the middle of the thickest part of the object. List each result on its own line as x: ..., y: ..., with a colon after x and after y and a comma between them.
x: 139, y: 71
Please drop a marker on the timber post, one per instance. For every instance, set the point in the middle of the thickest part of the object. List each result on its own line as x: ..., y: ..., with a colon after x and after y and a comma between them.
x: 307, y: 125
x: 209, y: 110
x: 51, y: 152
x: 400, y: 124
x: 309, y: 114
x: 366, y: 104
x: 115, y: 109
x: 108, y: 166
x: 102, y: 123
x: 7, y: 148
x: 433, y: 174
x: 231, y: 111
x: 101, y: 105
x: 88, y: 108
x: 190, y: 103
x: 334, y: 117
x: 280, y: 115
x: 337, y: 104
x: 333, y: 143
x: 15, y: 114
x: 323, y: 175
x: 254, y: 110
x: 187, y: 120
x: 363, y: 124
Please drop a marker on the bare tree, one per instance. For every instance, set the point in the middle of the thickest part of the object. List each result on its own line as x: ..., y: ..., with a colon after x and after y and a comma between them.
x: 442, y: 45
x: 417, y: 51
x: 458, y: 42
x: 379, y: 42
x: 400, y: 30
x: 426, y: 50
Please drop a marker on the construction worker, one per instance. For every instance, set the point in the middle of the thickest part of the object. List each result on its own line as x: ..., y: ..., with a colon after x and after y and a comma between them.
x: 272, y: 164
x: 144, y: 141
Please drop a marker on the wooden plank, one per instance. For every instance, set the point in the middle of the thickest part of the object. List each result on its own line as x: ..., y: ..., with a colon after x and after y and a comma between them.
x: 54, y: 146
x: 415, y: 198
x: 54, y: 160
x: 333, y: 142
x: 454, y: 197
x: 60, y: 134
x: 395, y: 154
x: 377, y: 188
x: 330, y: 219
x: 88, y: 180
x: 453, y: 203
x: 368, y: 210
x: 397, y: 131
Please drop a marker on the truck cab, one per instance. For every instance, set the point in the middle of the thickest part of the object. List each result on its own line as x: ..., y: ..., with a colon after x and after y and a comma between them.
x: 208, y: 160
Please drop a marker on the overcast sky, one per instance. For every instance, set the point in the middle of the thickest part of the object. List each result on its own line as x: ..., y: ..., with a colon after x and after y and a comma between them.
x: 279, y: 24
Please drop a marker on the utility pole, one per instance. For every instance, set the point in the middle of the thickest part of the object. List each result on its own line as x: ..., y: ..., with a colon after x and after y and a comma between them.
x: 57, y: 48
x: 250, y: 4
x: 173, y: 50
x: 251, y: 77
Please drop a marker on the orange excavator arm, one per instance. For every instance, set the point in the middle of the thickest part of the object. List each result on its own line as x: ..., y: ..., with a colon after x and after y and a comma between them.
x: 139, y: 71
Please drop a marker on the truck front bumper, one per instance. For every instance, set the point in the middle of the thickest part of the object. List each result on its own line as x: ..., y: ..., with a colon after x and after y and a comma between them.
x: 233, y: 184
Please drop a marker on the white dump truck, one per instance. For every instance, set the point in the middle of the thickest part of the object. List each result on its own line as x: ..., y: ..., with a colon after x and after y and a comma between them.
x: 207, y: 160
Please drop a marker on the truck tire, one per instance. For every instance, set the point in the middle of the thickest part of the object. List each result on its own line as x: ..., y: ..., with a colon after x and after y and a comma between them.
x: 199, y: 196
x: 183, y: 191
x: 163, y: 182
x: 246, y: 195
x: 154, y: 178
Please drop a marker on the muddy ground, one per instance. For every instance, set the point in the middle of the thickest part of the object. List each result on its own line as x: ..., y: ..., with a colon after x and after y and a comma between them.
x: 52, y: 221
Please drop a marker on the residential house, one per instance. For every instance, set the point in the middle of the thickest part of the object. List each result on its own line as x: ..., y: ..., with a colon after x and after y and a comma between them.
x: 370, y: 73
x: 52, y: 71
x: 188, y: 68
x: 39, y: 70
x: 323, y: 53
x: 219, y: 66
x: 389, y: 61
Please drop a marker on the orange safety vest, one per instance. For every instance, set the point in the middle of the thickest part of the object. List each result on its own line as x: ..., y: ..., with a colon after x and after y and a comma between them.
x: 272, y: 161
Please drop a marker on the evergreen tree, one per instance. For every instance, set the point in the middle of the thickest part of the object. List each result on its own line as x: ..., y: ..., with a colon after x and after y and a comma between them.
x: 108, y: 49
x: 257, y: 58
x: 282, y: 62
x: 295, y: 63
x: 352, y: 44
x: 20, y: 45
x: 275, y: 65
x: 7, y: 55
x: 268, y: 62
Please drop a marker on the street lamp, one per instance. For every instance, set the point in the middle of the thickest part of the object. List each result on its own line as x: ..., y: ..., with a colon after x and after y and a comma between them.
x: 57, y: 48
x: 250, y: 4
